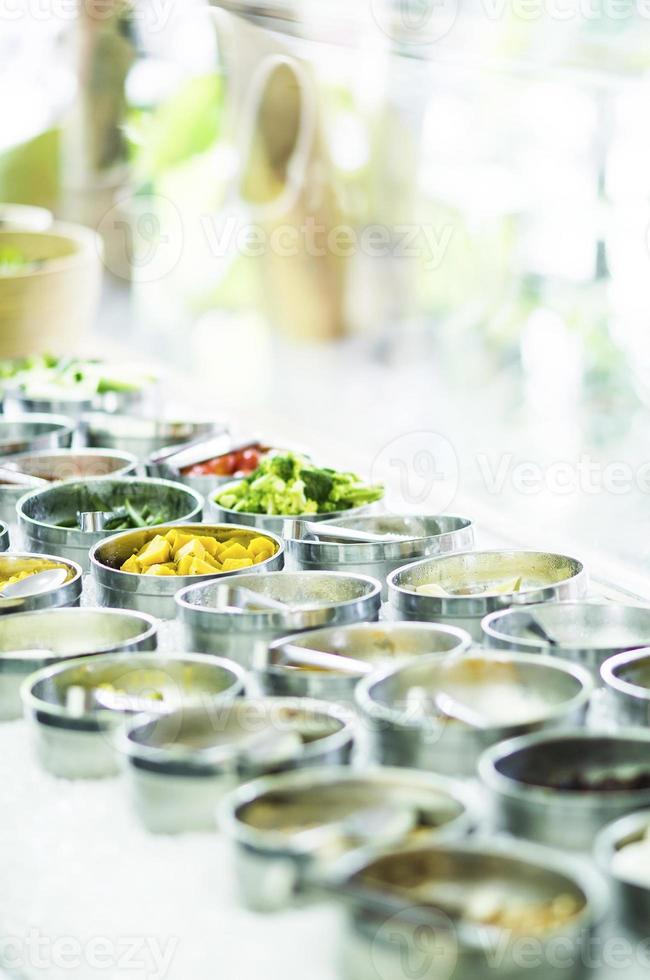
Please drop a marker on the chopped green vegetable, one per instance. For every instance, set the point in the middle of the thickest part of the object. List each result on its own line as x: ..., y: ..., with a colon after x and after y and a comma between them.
x: 290, y: 485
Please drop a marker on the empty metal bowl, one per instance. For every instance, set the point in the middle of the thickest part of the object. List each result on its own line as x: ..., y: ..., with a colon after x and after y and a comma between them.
x: 622, y: 850
x: 217, y: 621
x: 473, y: 909
x: 155, y: 594
x: 4, y: 536
x: 288, y: 829
x: 61, y: 464
x: 627, y: 680
x: 428, y: 535
x: 28, y: 433
x: 561, y: 788
x: 472, y: 579
x: 181, y: 764
x: 377, y: 644
x: 41, y: 512
x: 585, y: 632
x: 75, y: 732
x: 68, y: 594
x: 142, y: 436
x: 509, y: 693
x: 31, y: 640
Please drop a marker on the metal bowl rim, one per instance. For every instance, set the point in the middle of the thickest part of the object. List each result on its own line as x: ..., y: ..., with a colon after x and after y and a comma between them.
x: 150, y: 622
x: 378, y: 712
x: 362, y: 552
x: 498, y: 614
x: 61, y: 425
x: 31, y: 703
x: 109, y: 478
x: 518, y: 790
x: 211, y: 757
x: 274, y: 840
x: 616, y: 683
x: 610, y: 836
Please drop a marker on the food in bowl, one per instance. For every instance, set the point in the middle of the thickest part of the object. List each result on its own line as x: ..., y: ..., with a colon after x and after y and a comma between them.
x: 31, y: 567
x: 631, y: 862
x: 290, y: 485
x: 179, y: 553
x: 12, y: 261
x: 50, y: 377
x: 500, y: 588
x: 238, y: 463
x: 126, y: 515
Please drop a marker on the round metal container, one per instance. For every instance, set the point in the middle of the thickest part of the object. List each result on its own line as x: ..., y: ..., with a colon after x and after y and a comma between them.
x: 630, y: 886
x: 276, y: 864
x: 627, y: 680
x: 431, y: 535
x: 39, y: 511
x: 214, y: 625
x: 585, y: 632
x: 28, y: 433
x: 523, y: 774
x: 29, y: 641
x: 143, y: 436
x: 109, y: 401
x: 471, y: 910
x: 180, y: 765
x: 378, y: 643
x: 68, y: 594
x: 81, y: 744
x: 546, y: 576
x: 4, y: 536
x: 151, y: 593
x: 407, y: 729
x: 62, y: 464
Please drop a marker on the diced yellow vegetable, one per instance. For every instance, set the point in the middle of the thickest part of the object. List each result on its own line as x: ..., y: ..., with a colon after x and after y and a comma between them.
x: 209, y: 560
x: 159, y: 570
x: 262, y: 556
x: 156, y: 552
x: 211, y: 545
x: 132, y: 564
x: 184, y: 565
x: 180, y: 540
x: 233, y: 551
x: 259, y: 544
x: 231, y: 564
x: 200, y: 567
x: 193, y: 548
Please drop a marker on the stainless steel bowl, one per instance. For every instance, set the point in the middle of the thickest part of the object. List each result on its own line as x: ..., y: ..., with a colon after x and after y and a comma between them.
x: 525, y: 776
x: 429, y: 535
x: 630, y: 885
x: 377, y: 643
x: 151, y: 593
x: 4, y: 536
x: 109, y: 401
x: 627, y: 680
x: 545, y: 577
x: 31, y: 640
x: 585, y: 632
x: 277, y: 863
x: 215, y: 624
x: 407, y: 727
x: 181, y: 764
x: 40, y: 511
x: 62, y: 464
x: 68, y: 594
x: 142, y: 436
x: 28, y: 433
x: 474, y: 909
x: 79, y: 743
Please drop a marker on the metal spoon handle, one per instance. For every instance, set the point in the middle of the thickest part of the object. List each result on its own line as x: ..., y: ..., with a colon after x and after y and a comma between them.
x: 334, y: 531
x: 449, y: 706
x: 321, y: 660
x: 535, y: 627
x: 243, y: 598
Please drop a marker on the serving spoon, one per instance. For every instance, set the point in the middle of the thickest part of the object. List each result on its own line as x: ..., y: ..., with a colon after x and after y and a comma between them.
x: 51, y: 578
x: 321, y: 660
x: 381, y: 824
x: 335, y: 531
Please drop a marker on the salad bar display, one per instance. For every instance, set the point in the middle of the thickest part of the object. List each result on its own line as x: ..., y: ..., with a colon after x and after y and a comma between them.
x: 375, y: 714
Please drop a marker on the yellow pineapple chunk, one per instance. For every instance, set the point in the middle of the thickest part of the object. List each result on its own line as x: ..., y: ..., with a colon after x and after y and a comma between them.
x: 262, y: 556
x: 156, y: 552
x: 211, y: 545
x: 193, y: 548
x: 209, y: 560
x: 231, y: 564
x: 260, y: 544
x: 180, y: 540
x: 233, y: 551
x: 184, y: 565
x: 200, y: 567
x: 160, y: 570
x: 132, y: 564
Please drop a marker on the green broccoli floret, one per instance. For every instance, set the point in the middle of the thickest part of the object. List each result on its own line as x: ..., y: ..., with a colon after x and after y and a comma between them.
x: 283, y: 466
x: 318, y: 485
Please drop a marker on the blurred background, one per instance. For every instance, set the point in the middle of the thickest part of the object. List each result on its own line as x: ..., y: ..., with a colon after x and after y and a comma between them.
x: 438, y: 211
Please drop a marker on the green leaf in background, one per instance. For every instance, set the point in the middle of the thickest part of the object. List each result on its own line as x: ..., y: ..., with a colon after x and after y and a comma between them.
x: 185, y: 125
